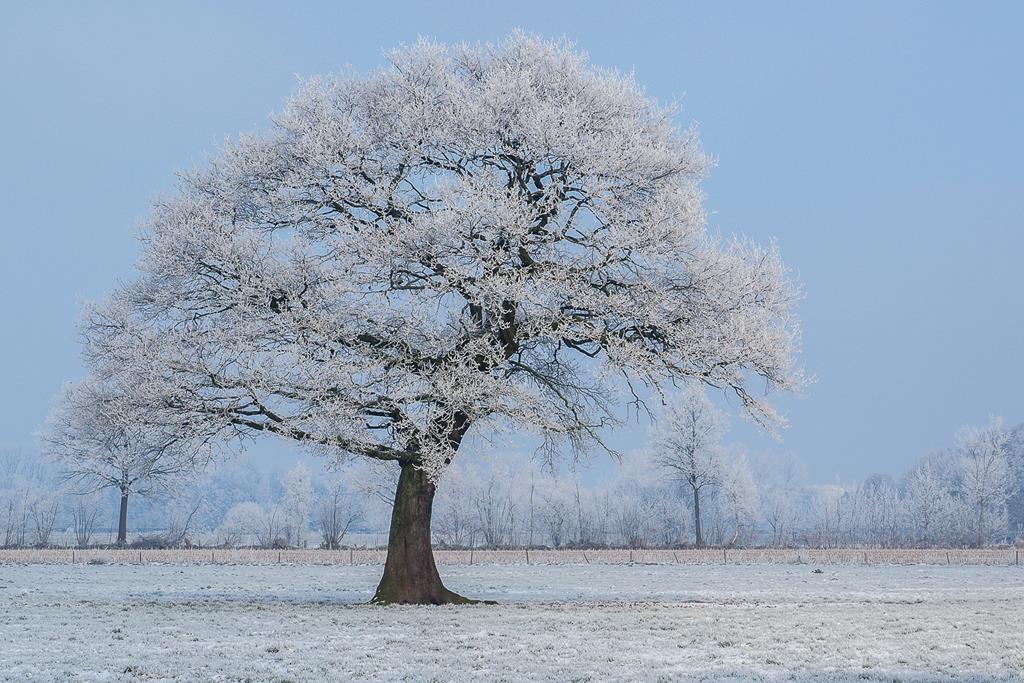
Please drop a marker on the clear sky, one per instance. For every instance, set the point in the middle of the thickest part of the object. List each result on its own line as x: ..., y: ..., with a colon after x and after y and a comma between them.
x: 881, y: 144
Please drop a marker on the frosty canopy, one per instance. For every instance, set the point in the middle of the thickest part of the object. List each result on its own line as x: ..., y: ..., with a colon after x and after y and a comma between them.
x: 446, y: 243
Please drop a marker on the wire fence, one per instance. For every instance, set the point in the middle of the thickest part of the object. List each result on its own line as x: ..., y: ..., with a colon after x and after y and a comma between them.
x: 362, y: 556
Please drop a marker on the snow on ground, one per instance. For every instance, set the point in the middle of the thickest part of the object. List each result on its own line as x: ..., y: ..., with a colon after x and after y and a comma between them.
x: 558, y: 623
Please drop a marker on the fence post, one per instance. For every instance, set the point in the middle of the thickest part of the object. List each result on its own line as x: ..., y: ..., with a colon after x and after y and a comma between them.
x: 471, y: 554
x: 140, y: 557
x: 279, y: 557
x: 72, y: 556
x: 585, y: 557
x: 725, y: 557
x: 865, y: 557
x: 1018, y: 558
x: 631, y: 556
x: 350, y: 557
x: 527, y: 554
x: 947, y: 557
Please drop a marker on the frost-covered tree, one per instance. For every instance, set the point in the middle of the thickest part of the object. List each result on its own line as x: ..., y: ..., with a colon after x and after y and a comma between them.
x: 780, y: 477
x: 455, y: 523
x: 930, y: 507
x: 687, y: 444
x: 555, y: 512
x: 985, y: 477
x: 872, y: 513
x: 824, y: 515
x: 42, y: 509
x: 740, y: 495
x: 243, y: 524
x: 336, y: 512
x: 297, y: 503
x: 28, y: 488
x: 471, y: 238
x: 1015, y: 505
x: 103, y: 435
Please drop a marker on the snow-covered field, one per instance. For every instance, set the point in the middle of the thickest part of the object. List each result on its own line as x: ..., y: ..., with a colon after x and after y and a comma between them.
x: 561, y: 623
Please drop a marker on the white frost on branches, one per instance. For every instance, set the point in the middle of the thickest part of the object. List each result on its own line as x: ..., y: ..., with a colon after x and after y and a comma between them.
x: 490, y: 236
x: 687, y: 444
x: 297, y: 501
x: 985, y: 474
x: 687, y: 439
x: 103, y: 436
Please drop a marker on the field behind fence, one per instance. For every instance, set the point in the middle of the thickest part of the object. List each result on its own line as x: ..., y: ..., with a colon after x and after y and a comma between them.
x: 356, y: 556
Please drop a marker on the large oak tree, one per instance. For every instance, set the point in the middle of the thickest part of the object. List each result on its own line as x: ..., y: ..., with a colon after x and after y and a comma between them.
x: 472, y: 238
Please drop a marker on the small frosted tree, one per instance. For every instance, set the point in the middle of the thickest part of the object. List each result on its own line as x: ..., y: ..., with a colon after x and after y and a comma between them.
x: 780, y: 477
x: 297, y: 503
x: 930, y: 506
x: 472, y: 238
x: 985, y: 476
x: 687, y: 443
x: 84, y: 517
x: 103, y: 437
x: 336, y: 512
x: 555, y: 511
x: 27, y: 488
x: 241, y: 525
x: 740, y: 495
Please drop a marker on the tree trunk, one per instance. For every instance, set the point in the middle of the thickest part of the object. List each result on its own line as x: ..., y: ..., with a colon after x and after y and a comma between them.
x: 736, y: 531
x: 981, y: 525
x: 696, y: 518
x: 410, y: 575
x: 122, y: 522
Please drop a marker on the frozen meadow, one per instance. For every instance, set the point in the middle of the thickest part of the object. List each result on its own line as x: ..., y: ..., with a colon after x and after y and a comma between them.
x: 290, y: 622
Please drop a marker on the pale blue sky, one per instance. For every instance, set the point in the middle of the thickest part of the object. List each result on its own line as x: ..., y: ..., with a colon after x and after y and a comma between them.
x: 881, y: 143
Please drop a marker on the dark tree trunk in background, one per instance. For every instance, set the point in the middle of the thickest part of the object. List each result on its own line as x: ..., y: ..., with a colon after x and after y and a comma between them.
x: 122, y: 522
x: 696, y: 518
x: 410, y: 575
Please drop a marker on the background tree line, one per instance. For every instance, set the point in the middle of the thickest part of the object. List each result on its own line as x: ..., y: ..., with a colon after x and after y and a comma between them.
x: 970, y: 494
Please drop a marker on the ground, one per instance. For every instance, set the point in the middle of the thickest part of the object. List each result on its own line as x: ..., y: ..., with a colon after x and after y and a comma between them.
x: 560, y: 623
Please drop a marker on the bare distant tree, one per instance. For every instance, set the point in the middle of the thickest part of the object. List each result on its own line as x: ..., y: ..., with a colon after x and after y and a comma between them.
x: 102, y: 440
x: 456, y: 523
x: 27, y: 492
x: 84, y: 517
x: 43, y: 513
x: 532, y: 517
x: 180, y: 522
x: 15, y: 516
x: 780, y: 478
x: 242, y: 525
x: 555, y: 512
x: 824, y: 515
x: 687, y: 443
x: 494, y: 509
x: 337, y: 511
x: 1015, y: 505
x: 740, y: 495
x: 271, y: 527
x: 297, y: 504
x: 634, y: 514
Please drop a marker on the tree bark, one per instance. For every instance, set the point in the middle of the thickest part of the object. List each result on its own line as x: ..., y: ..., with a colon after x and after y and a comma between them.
x: 122, y: 522
x: 981, y: 525
x: 736, y: 530
x: 696, y: 518
x: 410, y: 574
